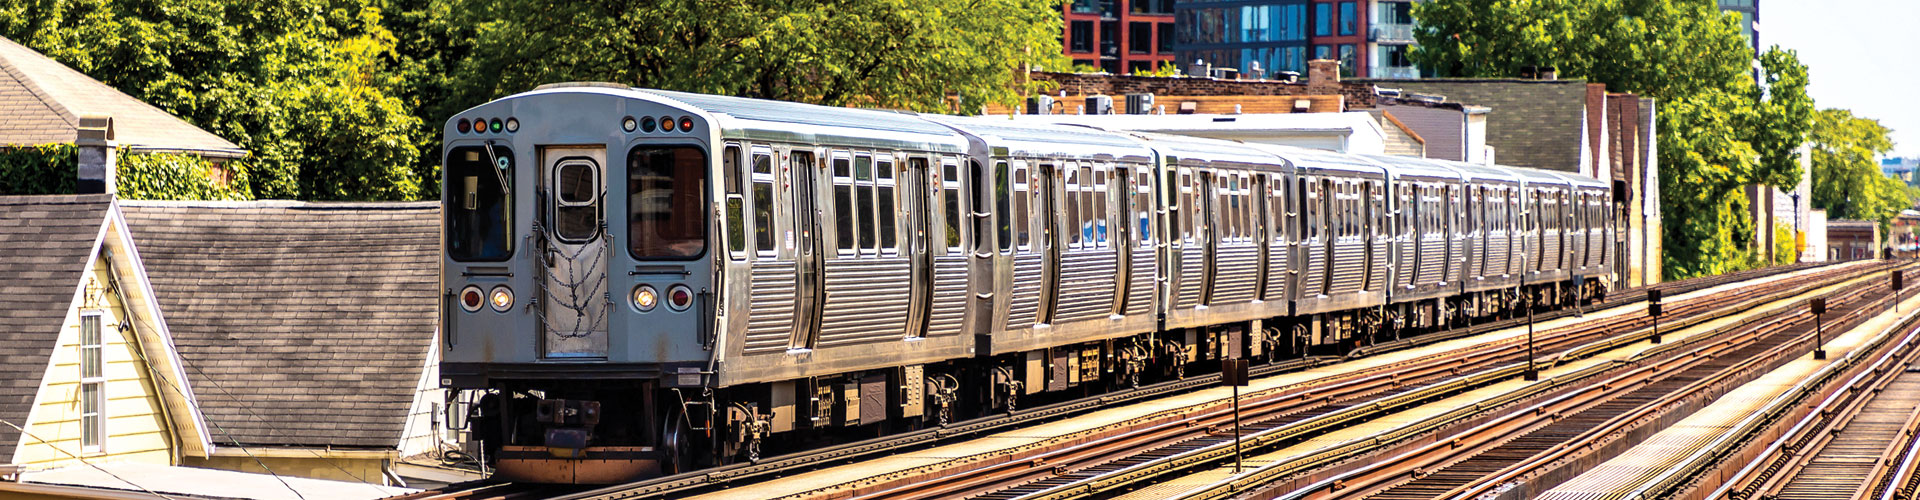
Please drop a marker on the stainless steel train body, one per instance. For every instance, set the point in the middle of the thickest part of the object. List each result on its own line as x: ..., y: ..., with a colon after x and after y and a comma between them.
x: 645, y: 282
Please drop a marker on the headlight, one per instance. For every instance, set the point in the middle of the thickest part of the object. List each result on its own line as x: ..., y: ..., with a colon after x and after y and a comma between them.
x: 502, y: 298
x: 470, y: 298
x: 644, y: 298
x: 679, y: 297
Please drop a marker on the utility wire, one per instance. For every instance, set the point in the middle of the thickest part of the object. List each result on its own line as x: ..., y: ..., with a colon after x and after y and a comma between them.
x: 96, y: 467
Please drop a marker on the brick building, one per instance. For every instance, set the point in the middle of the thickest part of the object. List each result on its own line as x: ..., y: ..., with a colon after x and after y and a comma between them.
x: 1119, y: 37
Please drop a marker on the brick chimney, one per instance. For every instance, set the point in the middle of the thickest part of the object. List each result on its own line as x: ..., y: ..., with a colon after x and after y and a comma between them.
x: 1323, y: 76
x: 96, y: 151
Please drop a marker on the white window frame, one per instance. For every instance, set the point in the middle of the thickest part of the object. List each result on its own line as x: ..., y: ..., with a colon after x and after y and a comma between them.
x: 93, y: 439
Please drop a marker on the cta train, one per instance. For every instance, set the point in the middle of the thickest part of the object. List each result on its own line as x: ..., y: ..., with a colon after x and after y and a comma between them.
x: 645, y: 282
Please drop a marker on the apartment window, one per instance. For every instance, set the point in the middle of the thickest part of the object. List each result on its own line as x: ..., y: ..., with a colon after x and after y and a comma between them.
x: 1346, y: 60
x: 1394, y: 13
x: 1349, y: 17
x: 1166, y: 38
x: 1137, y: 67
x: 1290, y: 24
x: 1323, y: 52
x: 1082, y: 40
x: 1086, y: 6
x: 93, y: 381
x: 1323, y: 19
x: 1152, y: 6
x: 1110, y: 66
x: 1140, y: 38
x: 1394, y: 56
x: 1110, y: 39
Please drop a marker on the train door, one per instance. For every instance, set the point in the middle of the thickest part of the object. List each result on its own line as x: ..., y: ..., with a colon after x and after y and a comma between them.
x: 809, y: 257
x: 1048, y: 189
x: 1207, y: 187
x: 1262, y: 232
x: 1121, y: 186
x: 575, y: 251
x: 918, y: 194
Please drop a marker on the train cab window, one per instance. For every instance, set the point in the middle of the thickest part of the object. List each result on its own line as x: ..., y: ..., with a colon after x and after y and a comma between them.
x: 950, y: 190
x: 1022, y: 203
x: 736, y: 204
x: 763, y: 202
x: 867, y: 224
x: 883, y: 204
x: 1100, y: 208
x: 666, y: 202
x: 1143, y: 202
x: 480, y: 209
x: 1003, y: 202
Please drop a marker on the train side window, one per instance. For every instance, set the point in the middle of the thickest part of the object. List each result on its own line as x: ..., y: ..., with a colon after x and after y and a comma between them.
x: 1073, y: 206
x: 763, y: 202
x: 1003, y: 202
x: 1143, y: 203
x: 480, y: 211
x: 844, y: 223
x: 1086, y: 206
x: 1022, y: 201
x: 736, y: 204
x: 884, y: 204
x: 1100, y: 208
x: 949, y: 183
x: 1184, y: 199
x: 867, y: 224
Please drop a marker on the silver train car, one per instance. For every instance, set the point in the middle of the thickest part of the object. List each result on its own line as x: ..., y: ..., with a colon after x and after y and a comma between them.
x: 645, y: 282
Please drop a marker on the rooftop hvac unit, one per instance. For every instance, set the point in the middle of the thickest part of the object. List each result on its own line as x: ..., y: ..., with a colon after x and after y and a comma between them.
x: 1139, y: 104
x: 1099, y: 105
x: 1040, y: 105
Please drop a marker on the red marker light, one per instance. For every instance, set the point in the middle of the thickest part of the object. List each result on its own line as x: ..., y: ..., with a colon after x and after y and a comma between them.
x: 464, y: 126
x: 686, y: 124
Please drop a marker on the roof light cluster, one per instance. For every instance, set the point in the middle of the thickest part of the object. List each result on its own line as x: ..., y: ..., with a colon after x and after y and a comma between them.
x: 648, y: 124
x: 487, y: 126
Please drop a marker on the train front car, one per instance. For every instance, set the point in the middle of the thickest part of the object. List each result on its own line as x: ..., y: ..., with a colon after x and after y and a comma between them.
x: 579, y: 279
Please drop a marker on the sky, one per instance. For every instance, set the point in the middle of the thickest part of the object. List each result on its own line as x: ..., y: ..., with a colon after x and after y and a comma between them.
x: 1862, y: 55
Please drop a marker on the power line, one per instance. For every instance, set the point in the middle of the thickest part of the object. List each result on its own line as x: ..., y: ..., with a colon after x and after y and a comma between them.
x: 96, y: 467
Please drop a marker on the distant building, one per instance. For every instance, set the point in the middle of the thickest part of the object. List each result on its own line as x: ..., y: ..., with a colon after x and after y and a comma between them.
x: 1118, y: 37
x: 1902, y: 169
x: 1370, y: 38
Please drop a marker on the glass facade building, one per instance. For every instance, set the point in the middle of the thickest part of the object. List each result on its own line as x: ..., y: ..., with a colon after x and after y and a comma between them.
x: 1119, y: 36
x: 1270, y: 35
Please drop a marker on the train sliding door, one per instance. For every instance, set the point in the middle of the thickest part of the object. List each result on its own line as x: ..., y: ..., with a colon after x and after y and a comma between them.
x: 1047, y: 189
x: 808, y: 255
x: 917, y: 194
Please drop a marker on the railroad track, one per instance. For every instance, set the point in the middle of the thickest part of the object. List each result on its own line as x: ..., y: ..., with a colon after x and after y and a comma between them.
x: 1529, y: 442
x: 1093, y: 467
x: 719, y: 477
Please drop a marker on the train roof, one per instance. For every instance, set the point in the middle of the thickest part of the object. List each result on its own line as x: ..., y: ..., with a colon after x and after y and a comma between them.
x: 1041, y: 139
x: 1319, y: 159
x: 1407, y: 165
x: 1183, y: 147
x: 770, y: 119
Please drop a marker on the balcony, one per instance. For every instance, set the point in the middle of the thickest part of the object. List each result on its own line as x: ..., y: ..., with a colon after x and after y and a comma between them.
x: 1396, y: 72
x: 1391, y: 33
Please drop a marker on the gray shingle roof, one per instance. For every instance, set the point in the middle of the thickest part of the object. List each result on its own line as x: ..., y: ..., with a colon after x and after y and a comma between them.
x: 43, y: 100
x: 44, y: 244
x: 1535, y: 123
x: 302, y: 324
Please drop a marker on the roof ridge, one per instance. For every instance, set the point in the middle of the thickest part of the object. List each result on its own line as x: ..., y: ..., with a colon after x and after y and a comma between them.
x: 291, y: 204
x: 54, y: 199
x: 39, y: 92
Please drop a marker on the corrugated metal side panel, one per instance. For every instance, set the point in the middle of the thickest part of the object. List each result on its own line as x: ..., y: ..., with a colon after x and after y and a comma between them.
x: 1277, y: 271
x: 1025, y: 301
x: 867, y: 301
x: 1313, y: 279
x: 1552, y: 255
x: 1086, y: 285
x: 1456, y: 259
x: 949, y: 296
x: 1140, y: 284
x: 1499, y: 252
x: 1432, y: 258
x: 770, y: 308
x: 1238, y: 272
x: 1192, y: 265
x: 1348, y: 270
x: 1406, y: 263
x: 1377, y: 280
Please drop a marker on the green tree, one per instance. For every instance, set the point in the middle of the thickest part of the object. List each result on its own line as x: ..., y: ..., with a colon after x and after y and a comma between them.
x: 1846, y: 178
x: 1717, y: 131
x: 307, y: 86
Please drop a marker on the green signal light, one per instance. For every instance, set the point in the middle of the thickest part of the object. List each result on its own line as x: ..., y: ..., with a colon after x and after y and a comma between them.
x: 495, y: 125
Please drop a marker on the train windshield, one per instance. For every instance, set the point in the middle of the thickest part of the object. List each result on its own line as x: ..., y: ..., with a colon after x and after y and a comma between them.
x: 479, y: 209
x: 666, y: 193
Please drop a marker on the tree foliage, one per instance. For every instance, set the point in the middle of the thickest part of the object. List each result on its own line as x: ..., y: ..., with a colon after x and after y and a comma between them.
x: 1846, y: 178
x: 1717, y: 130
x: 306, y: 85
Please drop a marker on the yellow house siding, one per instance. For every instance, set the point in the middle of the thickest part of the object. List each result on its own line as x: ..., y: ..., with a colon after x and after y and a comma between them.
x: 357, y: 470
x: 135, y: 428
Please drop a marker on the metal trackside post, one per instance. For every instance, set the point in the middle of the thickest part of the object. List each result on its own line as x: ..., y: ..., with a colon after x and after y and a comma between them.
x: 1653, y: 309
x: 1819, y: 345
x: 1233, y: 372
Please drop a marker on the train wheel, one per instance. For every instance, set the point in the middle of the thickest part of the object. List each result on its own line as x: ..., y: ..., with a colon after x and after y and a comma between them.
x: 676, y: 436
